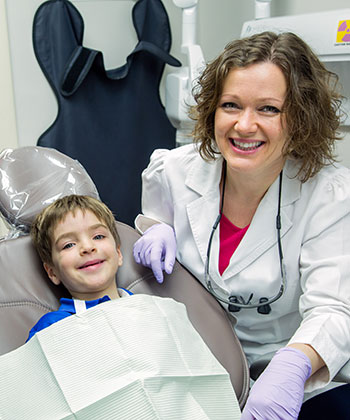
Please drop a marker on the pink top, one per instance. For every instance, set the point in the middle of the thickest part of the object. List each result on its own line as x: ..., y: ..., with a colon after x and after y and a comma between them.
x: 230, y: 237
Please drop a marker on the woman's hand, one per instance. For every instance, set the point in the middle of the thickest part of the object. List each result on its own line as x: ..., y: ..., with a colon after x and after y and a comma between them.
x: 279, y: 391
x: 156, y: 249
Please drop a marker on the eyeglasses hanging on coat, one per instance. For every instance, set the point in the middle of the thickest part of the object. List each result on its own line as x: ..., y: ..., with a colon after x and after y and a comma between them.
x: 236, y: 303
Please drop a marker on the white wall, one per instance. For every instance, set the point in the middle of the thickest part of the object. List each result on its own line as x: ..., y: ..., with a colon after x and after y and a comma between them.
x: 219, y: 21
x: 33, y: 108
x: 8, y: 134
x: 293, y: 7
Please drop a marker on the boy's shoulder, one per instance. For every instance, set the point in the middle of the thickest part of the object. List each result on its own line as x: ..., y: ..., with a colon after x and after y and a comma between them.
x: 47, y: 320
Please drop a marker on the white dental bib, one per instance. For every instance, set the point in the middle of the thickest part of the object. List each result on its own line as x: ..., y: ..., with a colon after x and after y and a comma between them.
x: 133, y: 358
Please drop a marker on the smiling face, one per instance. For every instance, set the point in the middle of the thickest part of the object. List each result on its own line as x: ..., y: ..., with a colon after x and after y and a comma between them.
x: 85, y: 257
x: 248, y: 120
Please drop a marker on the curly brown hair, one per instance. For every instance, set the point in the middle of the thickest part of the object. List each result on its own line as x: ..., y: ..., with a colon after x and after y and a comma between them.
x: 311, y: 107
x: 46, y: 221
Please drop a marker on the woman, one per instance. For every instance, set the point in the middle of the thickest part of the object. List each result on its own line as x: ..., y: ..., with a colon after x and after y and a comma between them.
x: 279, y: 259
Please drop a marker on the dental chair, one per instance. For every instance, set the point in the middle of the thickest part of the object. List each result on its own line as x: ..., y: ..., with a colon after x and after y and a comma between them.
x: 30, y: 179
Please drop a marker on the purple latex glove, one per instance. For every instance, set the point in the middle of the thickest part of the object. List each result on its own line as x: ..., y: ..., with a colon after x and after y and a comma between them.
x: 156, y: 249
x: 279, y: 391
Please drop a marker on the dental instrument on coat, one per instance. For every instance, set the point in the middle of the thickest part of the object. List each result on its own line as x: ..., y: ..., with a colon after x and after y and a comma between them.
x: 236, y: 303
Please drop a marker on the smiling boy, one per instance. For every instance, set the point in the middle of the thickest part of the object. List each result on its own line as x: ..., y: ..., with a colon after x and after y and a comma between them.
x: 77, y: 240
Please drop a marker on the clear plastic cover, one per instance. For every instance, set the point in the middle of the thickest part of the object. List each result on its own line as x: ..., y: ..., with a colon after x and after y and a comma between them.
x: 33, y: 177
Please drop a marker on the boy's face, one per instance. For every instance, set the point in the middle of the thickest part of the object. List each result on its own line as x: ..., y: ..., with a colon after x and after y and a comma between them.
x: 85, y: 257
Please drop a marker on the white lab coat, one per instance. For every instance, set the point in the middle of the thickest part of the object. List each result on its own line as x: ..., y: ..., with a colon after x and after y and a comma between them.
x: 181, y: 189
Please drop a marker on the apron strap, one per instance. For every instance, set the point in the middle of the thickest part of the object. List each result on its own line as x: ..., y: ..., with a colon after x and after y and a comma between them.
x: 83, y: 58
x: 80, y: 306
x: 58, y: 30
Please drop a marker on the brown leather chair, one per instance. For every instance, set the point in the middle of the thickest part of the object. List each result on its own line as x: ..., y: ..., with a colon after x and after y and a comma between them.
x: 31, y: 178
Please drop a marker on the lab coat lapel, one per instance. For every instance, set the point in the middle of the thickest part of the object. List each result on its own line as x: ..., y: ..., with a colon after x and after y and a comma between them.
x: 204, y: 179
x: 262, y: 233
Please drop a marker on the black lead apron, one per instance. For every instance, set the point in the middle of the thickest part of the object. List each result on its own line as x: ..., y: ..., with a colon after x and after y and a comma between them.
x: 110, y: 120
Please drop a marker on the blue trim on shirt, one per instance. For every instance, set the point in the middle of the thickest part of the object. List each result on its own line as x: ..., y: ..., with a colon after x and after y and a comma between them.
x: 65, y: 310
x: 67, y: 305
x: 126, y: 290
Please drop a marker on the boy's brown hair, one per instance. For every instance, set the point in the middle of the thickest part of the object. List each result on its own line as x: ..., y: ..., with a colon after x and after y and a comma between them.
x: 46, y: 221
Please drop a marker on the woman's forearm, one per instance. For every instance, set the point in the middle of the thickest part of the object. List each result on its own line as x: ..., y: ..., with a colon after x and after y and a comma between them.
x: 315, y: 359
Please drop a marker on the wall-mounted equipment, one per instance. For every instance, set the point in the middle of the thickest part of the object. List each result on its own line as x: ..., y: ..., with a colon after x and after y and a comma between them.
x: 179, y: 84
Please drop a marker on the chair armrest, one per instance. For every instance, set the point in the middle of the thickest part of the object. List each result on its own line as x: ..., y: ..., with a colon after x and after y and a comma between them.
x: 344, y: 374
x: 259, y: 365
x: 142, y: 223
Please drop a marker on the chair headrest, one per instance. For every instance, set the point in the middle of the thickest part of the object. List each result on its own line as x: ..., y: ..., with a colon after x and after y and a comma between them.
x: 33, y: 177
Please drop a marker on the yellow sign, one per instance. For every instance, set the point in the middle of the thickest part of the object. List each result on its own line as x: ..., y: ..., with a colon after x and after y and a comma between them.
x: 343, y: 33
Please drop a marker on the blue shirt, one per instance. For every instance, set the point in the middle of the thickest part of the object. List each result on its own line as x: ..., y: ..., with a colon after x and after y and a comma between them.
x: 67, y: 308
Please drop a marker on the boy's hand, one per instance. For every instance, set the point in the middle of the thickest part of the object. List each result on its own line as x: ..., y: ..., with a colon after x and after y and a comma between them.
x: 156, y: 249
